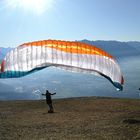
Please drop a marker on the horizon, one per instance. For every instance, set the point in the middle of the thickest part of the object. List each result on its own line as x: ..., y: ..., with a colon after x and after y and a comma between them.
x: 92, y: 20
x: 76, y: 40
x: 127, y: 55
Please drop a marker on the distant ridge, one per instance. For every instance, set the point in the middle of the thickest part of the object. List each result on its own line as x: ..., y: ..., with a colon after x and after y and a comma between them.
x: 116, y: 48
x: 73, y: 85
x: 3, y: 52
x: 135, y: 44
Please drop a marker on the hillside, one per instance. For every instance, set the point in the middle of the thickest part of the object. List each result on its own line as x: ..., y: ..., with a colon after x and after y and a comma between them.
x: 3, y: 51
x: 116, y: 48
x: 74, y: 119
x: 69, y: 84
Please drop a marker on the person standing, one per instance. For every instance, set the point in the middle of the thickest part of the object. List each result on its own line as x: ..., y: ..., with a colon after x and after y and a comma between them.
x: 49, y: 101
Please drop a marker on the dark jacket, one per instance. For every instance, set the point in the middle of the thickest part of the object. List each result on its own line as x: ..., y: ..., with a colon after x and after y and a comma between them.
x: 48, y: 97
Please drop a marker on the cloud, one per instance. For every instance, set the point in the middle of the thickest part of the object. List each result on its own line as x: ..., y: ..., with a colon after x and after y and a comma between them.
x: 56, y: 82
x: 19, y: 89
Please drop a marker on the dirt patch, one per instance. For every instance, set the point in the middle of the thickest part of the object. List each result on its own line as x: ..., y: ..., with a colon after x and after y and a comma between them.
x: 131, y: 121
x: 74, y: 119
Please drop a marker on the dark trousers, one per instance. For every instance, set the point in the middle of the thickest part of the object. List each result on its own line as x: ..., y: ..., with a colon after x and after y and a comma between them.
x: 50, y: 106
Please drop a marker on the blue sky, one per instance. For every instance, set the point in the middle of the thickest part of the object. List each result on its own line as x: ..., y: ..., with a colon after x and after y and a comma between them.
x: 69, y: 20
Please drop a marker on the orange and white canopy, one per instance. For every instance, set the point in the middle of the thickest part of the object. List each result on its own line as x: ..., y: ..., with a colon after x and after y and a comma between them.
x: 72, y: 56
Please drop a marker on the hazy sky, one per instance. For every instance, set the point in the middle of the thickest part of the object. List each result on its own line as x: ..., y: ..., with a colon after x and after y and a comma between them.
x: 28, y: 20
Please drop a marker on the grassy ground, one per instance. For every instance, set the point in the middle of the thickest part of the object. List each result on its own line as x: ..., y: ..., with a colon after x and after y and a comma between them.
x: 74, y: 119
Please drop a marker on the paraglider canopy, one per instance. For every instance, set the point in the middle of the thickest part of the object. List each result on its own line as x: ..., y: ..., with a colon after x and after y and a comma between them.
x: 73, y: 56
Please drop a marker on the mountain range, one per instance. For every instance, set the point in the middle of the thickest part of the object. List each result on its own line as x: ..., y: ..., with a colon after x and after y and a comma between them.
x: 3, y: 51
x: 69, y: 84
x: 115, y: 48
